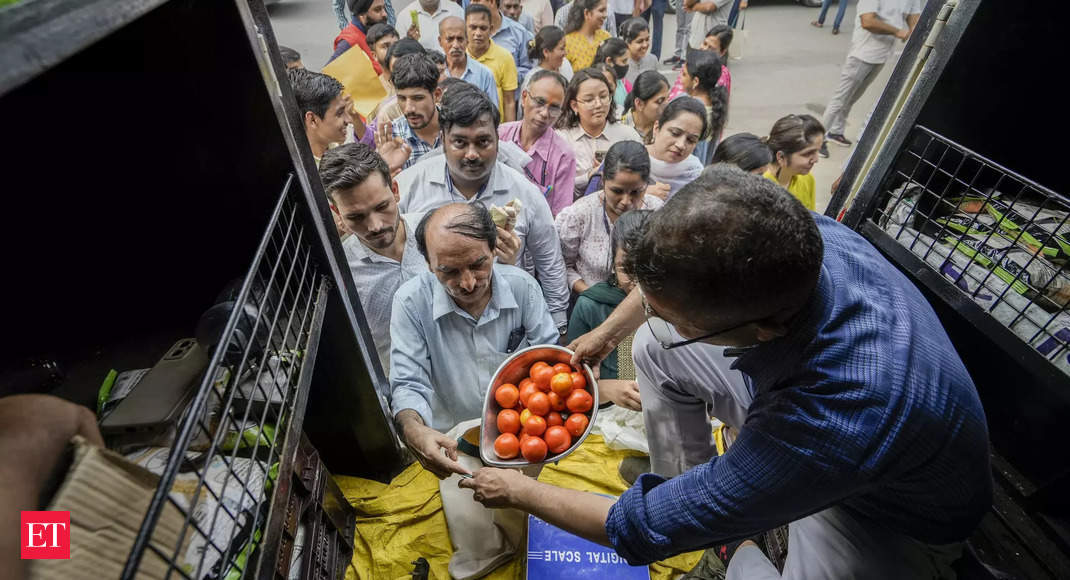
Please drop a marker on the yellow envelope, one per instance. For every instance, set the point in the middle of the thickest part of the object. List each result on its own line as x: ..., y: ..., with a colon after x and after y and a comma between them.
x: 354, y: 70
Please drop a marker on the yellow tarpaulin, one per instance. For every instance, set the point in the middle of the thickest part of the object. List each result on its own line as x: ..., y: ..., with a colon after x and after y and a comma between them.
x: 354, y: 70
x: 403, y: 521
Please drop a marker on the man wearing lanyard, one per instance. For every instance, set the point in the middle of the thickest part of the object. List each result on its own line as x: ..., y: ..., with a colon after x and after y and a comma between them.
x: 553, y: 164
x: 858, y: 423
x: 469, y: 171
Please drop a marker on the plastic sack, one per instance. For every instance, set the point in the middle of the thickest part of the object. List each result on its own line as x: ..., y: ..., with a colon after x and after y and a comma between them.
x: 622, y: 429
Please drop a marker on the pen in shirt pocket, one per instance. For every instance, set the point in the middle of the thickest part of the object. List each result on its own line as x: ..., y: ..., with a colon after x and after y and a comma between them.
x: 515, y: 337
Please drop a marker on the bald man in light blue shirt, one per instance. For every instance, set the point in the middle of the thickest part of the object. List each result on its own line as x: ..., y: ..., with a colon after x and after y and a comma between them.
x: 452, y: 327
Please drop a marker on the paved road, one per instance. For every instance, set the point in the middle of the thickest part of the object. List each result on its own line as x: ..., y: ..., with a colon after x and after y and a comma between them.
x: 780, y: 65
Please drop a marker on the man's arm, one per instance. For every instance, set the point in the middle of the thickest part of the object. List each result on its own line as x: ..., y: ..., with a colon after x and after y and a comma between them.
x: 577, y: 512
x: 569, y: 232
x: 34, y: 433
x: 564, y: 183
x: 411, y: 392
x: 597, y: 344
x: 509, y: 106
x: 546, y: 252
x: 912, y: 21
x: 873, y: 24
x: 540, y: 326
x: 523, y: 63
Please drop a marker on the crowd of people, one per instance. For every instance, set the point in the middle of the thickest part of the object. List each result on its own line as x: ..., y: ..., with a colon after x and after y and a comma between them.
x: 499, y: 196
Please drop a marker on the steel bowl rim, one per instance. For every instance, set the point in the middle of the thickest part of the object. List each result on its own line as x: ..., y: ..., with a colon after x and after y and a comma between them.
x: 486, y: 447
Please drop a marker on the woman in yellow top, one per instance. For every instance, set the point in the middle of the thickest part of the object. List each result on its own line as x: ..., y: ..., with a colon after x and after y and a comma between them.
x: 583, y: 32
x: 795, y: 141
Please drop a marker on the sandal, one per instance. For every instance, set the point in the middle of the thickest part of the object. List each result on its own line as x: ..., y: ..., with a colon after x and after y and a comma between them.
x: 817, y: 24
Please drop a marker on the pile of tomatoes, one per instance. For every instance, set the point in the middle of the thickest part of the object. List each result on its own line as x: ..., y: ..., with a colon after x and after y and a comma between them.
x: 543, y: 414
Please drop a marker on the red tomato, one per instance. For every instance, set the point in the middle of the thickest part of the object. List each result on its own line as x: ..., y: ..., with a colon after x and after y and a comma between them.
x: 524, y: 381
x: 578, y: 381
x: 561, y: 384
x: 533, y: 449
x: 509, y: 421
x: 506, y: 446
x: 579, y: 402
x: 562, y: 368
x: 537, y: 365
x: 576, y: 424
x: 526, y: 393
x: 506, y: 395
x: 539, y: 404
x: 542, y: 376
x: 557, y: 439
x: 524, y: 437
x: 535, y: 425
x: 557, y: 402
x: 554, y: 418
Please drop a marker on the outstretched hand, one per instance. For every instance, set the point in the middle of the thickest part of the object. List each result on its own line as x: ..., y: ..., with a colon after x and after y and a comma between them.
x: 591, y: 348
x: 436, y: 452
x: 394, y: 150
x: 496, y: 488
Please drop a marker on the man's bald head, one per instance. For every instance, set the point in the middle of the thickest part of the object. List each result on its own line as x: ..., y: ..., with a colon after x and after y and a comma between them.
x: 471, y: 221
x: 450, y: 22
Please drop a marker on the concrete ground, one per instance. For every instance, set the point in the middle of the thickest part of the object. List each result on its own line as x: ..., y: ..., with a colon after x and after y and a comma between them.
x: 780, y: 65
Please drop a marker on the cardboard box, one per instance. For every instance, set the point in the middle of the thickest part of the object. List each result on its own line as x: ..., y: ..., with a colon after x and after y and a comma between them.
x: 108, y: 496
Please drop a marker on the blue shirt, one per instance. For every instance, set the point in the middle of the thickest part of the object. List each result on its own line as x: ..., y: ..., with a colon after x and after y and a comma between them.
x: 442, y: 359
x: 864, y: 404
x: 481, y: 77
x: 513, y: 37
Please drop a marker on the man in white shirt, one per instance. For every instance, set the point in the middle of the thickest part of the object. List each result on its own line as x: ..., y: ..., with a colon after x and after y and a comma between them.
x: 429, y: 14
x: 880, y: 23
x: 382, y: 251
x: 470, y: 170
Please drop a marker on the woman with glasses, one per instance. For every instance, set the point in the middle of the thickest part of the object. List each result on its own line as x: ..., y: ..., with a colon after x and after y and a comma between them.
x: 589, y: 123
x: 585, y: 228
x: 553, y: 164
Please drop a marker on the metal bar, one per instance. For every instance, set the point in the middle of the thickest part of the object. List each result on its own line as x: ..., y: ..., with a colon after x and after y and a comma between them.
x: 182, y: 439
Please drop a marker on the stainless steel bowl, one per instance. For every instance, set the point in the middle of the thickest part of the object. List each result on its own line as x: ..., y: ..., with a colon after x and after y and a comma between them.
x: 513, y: 370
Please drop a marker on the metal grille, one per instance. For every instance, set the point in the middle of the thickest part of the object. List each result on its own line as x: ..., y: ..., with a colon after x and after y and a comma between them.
x: 1000, y: 238
x: 222, y: 470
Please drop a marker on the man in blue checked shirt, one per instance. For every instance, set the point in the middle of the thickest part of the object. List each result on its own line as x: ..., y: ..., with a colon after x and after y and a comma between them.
x: 858, y: 424
x: 415, y: 79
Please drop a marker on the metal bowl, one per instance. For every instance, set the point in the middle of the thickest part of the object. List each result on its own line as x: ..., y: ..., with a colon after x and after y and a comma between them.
x: 513, y: 370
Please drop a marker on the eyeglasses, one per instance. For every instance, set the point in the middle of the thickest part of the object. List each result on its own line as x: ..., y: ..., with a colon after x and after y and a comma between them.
x: 553, y: 111
x: 663, y: 331
x: 594, y: 101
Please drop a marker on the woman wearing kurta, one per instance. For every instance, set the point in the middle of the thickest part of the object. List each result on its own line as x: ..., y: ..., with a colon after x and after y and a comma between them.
x: 795, y: 141
x: 590, y: 123
x: 680, y: 127
x: 583, y: 32
x: 586, y: 226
